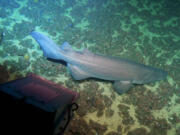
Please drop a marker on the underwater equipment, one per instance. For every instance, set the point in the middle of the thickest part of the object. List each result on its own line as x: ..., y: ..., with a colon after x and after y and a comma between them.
x: 35, y: 105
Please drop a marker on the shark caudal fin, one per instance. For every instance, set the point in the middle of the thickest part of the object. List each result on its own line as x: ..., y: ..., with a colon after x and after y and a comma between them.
x: 50, y: 49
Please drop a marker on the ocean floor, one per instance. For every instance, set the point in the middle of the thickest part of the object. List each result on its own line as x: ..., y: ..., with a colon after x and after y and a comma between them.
x: 144, y: 31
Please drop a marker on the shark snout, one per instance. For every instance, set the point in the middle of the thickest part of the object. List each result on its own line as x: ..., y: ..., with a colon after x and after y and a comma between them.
x: 163, y: 75
x: 158, y: 75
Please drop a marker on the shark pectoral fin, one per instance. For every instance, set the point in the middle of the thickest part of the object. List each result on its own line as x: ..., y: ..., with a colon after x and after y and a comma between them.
x: 77, y: 73
x: 122, y: 86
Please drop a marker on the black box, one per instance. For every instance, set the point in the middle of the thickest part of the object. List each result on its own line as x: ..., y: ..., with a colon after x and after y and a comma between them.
x: 34, y: 105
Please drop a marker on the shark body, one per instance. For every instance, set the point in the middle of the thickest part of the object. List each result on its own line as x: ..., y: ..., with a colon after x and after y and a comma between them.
x: 85, y: 64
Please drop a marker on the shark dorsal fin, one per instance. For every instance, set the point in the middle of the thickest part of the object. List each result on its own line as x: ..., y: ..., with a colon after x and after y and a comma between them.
x: 66, y: 46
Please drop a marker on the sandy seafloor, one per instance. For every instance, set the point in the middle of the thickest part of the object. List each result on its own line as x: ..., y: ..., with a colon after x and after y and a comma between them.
x: 145, y: 31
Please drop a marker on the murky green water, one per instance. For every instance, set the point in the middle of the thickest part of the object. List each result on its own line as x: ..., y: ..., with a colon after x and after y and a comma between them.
x: 144, y: 31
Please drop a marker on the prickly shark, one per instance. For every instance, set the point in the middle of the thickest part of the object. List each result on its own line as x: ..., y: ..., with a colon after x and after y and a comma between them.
x: 85, y: 64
